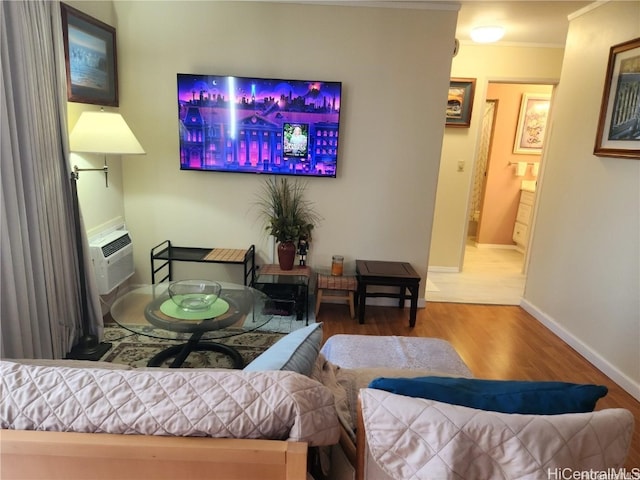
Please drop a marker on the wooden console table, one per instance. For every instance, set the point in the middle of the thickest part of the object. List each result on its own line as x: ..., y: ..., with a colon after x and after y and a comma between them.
x: 164, y: 254
x: 387, y: 274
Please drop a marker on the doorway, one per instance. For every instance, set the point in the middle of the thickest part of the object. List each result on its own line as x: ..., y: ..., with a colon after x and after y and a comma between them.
x: 491, y: 268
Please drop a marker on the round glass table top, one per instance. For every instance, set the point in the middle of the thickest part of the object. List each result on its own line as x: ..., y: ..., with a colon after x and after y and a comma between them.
x: 149, y: 311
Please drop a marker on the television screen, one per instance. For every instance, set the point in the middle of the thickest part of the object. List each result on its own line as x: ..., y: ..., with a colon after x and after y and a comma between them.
x: 258, y: 125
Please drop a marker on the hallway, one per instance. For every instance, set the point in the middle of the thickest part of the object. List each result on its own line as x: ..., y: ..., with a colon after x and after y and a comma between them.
x: 489, y: 276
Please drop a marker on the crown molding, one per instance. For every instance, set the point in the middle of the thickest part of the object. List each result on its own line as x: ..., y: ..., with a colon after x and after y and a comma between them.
x: 399, y: 4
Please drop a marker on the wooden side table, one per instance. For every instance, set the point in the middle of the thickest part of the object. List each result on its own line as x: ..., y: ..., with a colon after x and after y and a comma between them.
x: 336, y: 284
x: 387, y: 274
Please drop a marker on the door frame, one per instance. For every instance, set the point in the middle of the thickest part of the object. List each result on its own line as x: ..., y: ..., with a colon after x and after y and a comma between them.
x: 554, y: 85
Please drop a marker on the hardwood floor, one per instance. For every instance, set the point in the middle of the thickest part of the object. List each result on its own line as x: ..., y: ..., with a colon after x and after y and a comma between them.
x: 496, y: 342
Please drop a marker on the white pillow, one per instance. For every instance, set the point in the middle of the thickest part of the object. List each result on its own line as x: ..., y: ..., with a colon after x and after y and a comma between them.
x: 296, y: 351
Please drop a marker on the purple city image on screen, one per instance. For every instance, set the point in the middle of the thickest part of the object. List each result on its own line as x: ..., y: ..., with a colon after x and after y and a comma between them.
x: 258, y: 125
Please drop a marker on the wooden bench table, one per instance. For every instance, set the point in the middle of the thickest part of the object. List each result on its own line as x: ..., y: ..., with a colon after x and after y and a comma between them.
x: 387, y: 274
x: 332, y: 285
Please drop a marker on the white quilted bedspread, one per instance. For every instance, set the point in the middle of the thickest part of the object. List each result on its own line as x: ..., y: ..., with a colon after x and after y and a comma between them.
x: 216, y: 403
x: 413, y: 438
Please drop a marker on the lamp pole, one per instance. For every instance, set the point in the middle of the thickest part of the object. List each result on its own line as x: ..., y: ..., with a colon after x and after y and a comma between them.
x: 88, y: 347
x: 105, y: 133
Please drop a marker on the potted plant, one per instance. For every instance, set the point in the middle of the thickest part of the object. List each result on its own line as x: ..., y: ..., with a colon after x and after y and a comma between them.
x: 288, y: 216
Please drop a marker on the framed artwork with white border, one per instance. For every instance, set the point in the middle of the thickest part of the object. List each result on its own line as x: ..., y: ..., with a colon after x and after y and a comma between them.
x: 532, y: 123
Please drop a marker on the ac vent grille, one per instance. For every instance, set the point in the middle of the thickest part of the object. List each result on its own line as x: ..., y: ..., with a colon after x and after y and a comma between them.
x: 118, y: 244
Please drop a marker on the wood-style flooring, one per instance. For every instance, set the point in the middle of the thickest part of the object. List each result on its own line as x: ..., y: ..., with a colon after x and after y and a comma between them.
x: 496, y: 342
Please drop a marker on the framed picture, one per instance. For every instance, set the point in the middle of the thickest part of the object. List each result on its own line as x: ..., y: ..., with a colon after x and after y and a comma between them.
x: 619, y: 125
x: 460, y: 102
x: 90, y: 54
x: 532, y: 123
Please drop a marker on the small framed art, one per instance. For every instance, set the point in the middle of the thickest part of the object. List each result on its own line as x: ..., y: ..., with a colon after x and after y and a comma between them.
x: 618, y: 132
x: 532, y: 123
x: 90, y: 55
x: 460, y: 102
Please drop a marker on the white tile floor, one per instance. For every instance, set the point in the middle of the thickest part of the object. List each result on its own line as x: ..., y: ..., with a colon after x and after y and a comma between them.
x: 489, y: 276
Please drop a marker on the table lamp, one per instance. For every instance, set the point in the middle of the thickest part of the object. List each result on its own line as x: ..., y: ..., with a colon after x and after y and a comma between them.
x: 108, y: 134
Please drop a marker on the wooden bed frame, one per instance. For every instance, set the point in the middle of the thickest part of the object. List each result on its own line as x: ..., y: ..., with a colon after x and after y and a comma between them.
x: 67, y: 456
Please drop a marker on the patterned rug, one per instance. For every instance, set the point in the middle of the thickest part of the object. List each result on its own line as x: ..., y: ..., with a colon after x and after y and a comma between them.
x: 136, y: 350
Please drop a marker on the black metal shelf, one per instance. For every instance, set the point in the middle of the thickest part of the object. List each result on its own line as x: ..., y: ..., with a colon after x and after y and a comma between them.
x: 164, y: 254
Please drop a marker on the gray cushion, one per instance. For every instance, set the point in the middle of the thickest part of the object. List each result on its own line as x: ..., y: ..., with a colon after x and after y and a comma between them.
x: 296, y: 351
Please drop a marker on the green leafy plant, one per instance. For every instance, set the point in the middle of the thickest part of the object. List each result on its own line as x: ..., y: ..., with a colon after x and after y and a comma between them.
x: 288, y: 215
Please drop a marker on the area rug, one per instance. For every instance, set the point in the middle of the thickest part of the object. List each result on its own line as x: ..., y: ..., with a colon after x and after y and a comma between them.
x: 136, y: 350
x: 288, y: 324
x: 283, y: 324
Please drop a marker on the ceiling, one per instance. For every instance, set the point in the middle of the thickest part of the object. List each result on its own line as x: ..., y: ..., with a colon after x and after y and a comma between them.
x: 527, y: 22
x: 533, y: 22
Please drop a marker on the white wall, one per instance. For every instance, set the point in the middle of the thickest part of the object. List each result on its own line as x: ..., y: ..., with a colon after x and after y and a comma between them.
x: 394, y: 65
x: 484, y: 63
x: 101, y: 207
x: 584, y: 275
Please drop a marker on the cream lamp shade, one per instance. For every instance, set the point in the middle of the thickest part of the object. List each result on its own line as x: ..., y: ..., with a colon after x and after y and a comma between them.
x: 103, y: 132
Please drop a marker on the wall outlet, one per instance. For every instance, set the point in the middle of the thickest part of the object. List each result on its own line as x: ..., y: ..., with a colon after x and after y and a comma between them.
x: 461, y: 165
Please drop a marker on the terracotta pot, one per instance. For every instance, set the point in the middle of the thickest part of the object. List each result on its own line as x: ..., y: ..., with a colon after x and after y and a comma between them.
x: 286, y: 255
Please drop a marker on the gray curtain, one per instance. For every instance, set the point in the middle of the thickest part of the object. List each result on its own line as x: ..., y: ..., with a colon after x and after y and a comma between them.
x: 39, y: 284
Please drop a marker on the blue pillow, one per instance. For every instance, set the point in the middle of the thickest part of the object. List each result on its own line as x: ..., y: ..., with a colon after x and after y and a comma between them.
x: 525, y: 397
x: 296, y: 351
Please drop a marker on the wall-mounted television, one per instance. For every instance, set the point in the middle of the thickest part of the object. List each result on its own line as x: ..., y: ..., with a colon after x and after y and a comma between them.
x: 258, y: 125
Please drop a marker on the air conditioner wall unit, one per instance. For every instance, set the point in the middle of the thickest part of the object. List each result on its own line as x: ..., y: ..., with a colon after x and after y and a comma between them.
x: 112, y: 258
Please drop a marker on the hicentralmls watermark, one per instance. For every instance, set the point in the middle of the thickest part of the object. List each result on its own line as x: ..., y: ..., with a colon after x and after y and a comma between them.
x: 609, y: 474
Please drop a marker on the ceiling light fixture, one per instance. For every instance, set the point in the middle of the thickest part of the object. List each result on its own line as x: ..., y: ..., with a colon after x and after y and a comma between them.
x: 487, y: 34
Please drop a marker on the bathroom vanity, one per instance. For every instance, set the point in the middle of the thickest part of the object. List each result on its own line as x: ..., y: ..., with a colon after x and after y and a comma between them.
x: 524, y: 216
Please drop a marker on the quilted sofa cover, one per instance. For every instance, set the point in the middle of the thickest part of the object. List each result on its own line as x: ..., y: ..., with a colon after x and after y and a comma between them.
x: 216, y: 403
x: 413, y: 438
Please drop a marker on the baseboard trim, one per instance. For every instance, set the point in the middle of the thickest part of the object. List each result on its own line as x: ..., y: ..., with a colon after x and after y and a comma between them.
x: 628, y: 384
x: 443, y: 270
x: 497, y: 246
x: 391, y: 302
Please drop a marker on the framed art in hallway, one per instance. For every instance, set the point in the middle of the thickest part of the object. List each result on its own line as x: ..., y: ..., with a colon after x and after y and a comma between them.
x: 619, y: 125
x: 90, y: 58
x: 532, y: 123
x: 460, y: 102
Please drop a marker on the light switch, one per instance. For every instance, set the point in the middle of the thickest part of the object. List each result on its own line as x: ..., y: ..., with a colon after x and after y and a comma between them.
x: 461, y: 165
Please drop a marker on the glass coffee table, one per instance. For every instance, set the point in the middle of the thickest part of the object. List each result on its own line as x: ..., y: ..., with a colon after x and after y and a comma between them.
x: 149, y: 311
